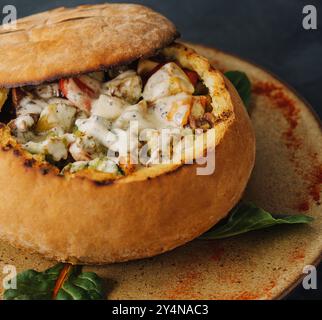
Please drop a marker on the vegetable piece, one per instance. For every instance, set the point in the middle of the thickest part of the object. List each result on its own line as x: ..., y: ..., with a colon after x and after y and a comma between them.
x: 88, y: 85
x: 17, y: 95
x: 80, y: 91
x: 247, y: 217
x: 61, y: 279
x: 192, y: 75
x: 61, y: 282
x: 33, y: 285
x: 81, y: 286
x: 3, y: 97
x: 242, y: 84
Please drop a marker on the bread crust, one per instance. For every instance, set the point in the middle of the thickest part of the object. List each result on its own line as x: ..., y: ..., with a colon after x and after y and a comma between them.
x: 77, y: 219
x: 80, y: 221
x: 62, y: 42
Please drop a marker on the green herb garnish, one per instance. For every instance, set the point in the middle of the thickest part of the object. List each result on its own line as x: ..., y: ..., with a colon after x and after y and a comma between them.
x: 242, y: 84
x: 61, y: 282
x: 247, y: 217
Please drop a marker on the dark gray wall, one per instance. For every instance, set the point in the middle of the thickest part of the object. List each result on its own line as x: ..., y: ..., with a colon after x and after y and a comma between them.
x: 269, y: 33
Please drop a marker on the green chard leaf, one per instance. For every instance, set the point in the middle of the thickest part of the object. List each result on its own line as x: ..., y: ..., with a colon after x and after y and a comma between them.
x: 247, y: 217
x: 242, y: 84
x: 33, y: 285
x: 81, y: 286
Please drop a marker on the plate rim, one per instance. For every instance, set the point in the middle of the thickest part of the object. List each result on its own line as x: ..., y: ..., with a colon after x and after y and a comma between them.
x: 318, y: 260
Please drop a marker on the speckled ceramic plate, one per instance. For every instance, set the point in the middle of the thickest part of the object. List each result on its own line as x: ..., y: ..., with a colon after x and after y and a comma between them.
x: 260, y: 265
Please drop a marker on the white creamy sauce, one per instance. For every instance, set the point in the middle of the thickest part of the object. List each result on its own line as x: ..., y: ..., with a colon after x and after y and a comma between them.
x: 96, y: 117
x: 98, y: 128
x: 56, y: 115
x: 99, y: 164
x: 172, y: 110
x: 168, y: 81
x: 24, y: 122
x: 29, y: 105
x: 53, y: 146
x: 108, y: 107
x: 83, y: 148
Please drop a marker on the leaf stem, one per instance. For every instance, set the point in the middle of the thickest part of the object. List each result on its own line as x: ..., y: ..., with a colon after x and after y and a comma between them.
x: 61, y: 279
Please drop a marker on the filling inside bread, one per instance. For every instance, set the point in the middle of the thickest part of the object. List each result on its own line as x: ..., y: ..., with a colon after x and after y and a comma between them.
x: 84, y: 122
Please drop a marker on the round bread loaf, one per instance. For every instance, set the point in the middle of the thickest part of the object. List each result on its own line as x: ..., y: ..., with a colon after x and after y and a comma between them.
x: 86, y: 219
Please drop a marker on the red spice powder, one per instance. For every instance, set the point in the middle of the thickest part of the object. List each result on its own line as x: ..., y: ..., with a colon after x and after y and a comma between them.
x: 265, y: 292
x: 286, y: 105
x: 304, y: 206
x: 314, y: 179
x: 268, y: 289
x: 315, y: 188
x: 184, y: 290
x: 184, y: 287
x: 297, y: 255
x: 246, y: 295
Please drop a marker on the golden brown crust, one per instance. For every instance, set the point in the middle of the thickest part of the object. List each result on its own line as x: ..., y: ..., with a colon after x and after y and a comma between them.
x: 79, y: 221
x: 65, y: 42
x: 212, y: 78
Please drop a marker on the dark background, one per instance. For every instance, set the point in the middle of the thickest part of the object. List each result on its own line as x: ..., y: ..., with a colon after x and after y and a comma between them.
x: 269, y: 33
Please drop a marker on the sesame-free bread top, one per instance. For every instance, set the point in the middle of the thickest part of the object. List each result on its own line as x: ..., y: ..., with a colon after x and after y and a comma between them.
x: 70, y: 41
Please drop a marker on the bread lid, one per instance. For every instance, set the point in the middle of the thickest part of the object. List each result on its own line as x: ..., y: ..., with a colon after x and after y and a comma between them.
x: 70, y: 41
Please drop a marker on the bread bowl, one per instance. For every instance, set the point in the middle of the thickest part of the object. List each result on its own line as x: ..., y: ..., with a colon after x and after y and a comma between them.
x: 64, y: 197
